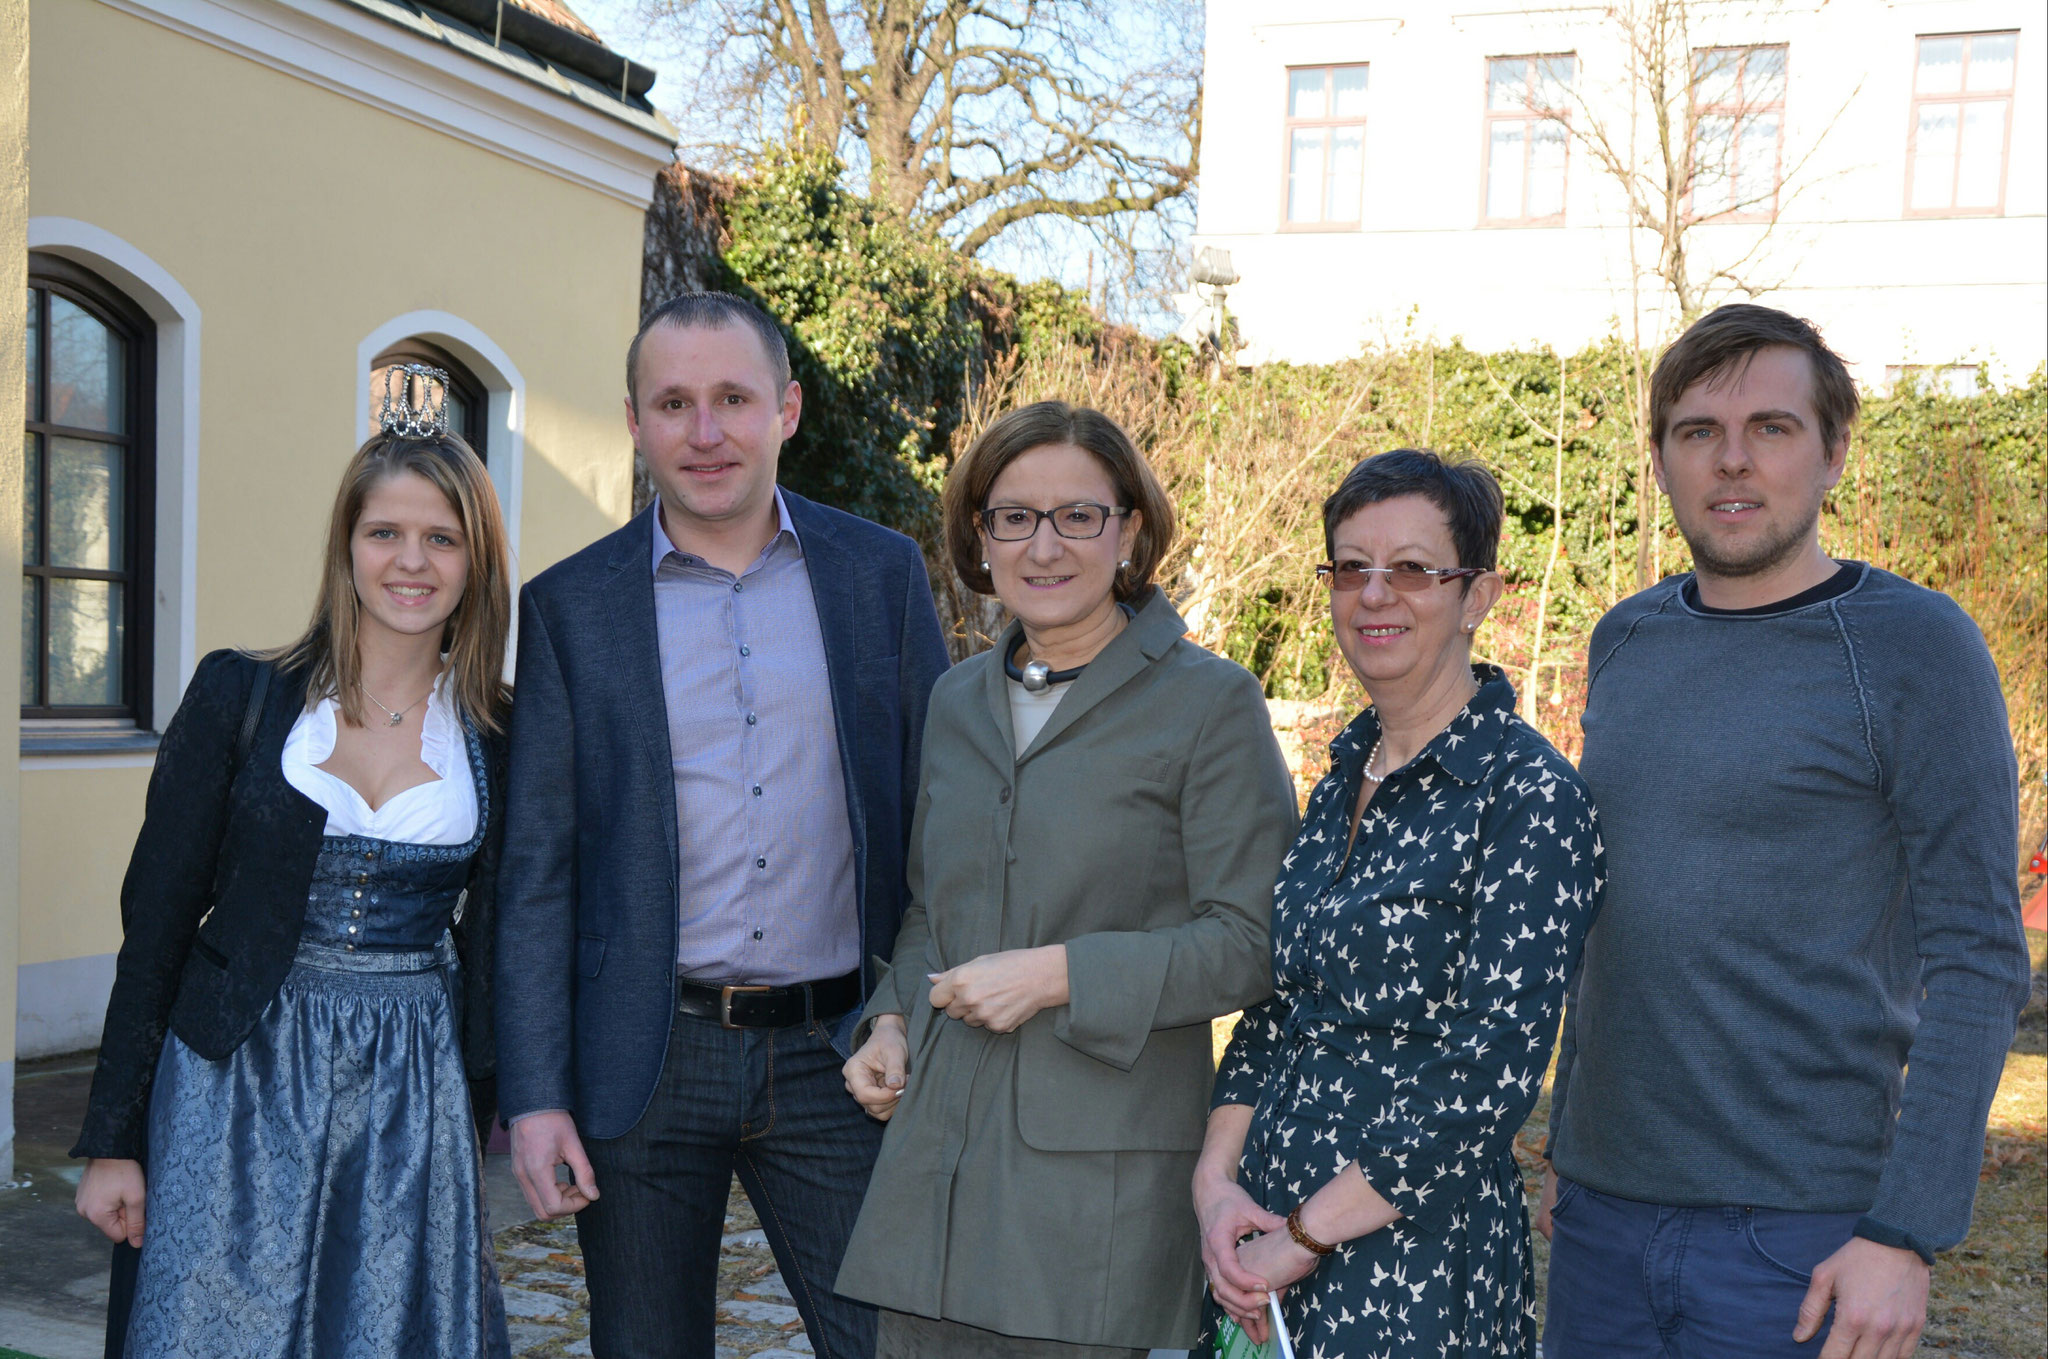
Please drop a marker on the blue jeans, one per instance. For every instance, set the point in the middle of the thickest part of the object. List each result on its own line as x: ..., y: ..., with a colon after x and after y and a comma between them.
x: 1635, y: 1280
x: 769, y: 1105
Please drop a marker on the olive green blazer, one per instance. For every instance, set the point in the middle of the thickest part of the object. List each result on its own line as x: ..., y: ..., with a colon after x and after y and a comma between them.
x: 1036, y: 1183
x: 1142, y: 828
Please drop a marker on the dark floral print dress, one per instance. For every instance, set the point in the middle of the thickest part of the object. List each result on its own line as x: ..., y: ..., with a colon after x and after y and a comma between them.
x: 1417, y: 988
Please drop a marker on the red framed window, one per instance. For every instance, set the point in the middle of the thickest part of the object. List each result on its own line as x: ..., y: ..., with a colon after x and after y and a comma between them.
x: 1325, y: 132
x: 1961, y: 136
x: 1738, y: 132
x: 1527, y: 138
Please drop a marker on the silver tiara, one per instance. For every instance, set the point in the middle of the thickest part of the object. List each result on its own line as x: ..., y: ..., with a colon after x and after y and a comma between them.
x: 400, y: 414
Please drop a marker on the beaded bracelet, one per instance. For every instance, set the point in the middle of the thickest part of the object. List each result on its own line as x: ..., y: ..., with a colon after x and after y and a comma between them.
x: 1303, y: 1239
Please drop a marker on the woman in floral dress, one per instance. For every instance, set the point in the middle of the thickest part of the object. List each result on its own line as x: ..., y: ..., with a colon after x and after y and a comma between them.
x: 1426, y: 921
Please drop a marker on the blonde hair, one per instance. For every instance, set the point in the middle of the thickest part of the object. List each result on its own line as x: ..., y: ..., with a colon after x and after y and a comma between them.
x: 474, y: 636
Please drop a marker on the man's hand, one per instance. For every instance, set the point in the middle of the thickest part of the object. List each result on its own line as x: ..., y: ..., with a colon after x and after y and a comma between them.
x: 111, y: 1197
x: 875, y: 1074
x: 1547, y: 1201
x: 1880, y: 1298
x: 999, y: 991
x: 540, y: 1142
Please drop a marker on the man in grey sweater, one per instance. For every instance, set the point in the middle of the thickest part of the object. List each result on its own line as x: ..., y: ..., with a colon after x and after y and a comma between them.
x: 1809, y: 804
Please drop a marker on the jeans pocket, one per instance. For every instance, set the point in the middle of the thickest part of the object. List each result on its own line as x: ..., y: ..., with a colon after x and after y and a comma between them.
x: 839, y: 1032
x: 1794, y: 1244
x: 1567, y: 1192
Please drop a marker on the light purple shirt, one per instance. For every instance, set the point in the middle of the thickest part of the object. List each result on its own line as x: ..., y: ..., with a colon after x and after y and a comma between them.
x: 766, y: 894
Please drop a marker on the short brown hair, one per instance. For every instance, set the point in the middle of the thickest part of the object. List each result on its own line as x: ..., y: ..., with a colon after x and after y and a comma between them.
x: 474, y: 636
x: 713, y: 311
x: 1725, y: 339
x: 1039, y: 425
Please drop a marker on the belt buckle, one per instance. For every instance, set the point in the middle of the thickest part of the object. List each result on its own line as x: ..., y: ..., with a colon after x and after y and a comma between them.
x: 725, y: 995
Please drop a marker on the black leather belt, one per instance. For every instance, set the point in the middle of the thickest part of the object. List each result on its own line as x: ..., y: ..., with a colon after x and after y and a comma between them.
x: 769, y: 1007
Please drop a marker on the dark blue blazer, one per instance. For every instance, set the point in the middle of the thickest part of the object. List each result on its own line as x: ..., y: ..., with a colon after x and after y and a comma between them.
x: 587, y: 896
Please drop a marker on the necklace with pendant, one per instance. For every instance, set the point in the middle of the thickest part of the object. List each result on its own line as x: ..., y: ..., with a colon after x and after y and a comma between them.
x: 392, y: 718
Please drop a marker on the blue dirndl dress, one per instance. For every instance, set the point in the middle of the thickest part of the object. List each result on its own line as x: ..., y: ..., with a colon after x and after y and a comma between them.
x: 318, y: 1194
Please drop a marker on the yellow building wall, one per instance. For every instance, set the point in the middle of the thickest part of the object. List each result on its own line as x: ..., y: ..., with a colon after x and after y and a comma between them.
x: 300, y: 220
x: 14, y: 80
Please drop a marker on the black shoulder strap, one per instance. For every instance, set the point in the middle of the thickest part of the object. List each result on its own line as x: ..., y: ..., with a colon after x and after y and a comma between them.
x: 258, y: 688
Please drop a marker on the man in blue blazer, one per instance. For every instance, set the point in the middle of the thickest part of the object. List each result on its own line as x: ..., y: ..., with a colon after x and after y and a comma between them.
x: 714, y: 763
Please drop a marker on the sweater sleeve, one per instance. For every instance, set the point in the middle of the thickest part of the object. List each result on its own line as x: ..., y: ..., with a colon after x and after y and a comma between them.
x: 1944, y: 751
x: 1539, y: 880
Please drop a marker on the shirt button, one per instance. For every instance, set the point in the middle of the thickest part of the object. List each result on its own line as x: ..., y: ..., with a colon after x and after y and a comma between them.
x: 351, y: 929
x: 737, y: 586
x: 746, y: 651
x: 750, y: 719
x: 760, y: 863
x: 1003, y: 796
x: 357, y: 913
x: 757, y: 790
x: 369, y: 854
x: 359, y: 892
x: 362, y: 877
x: 757, y: 934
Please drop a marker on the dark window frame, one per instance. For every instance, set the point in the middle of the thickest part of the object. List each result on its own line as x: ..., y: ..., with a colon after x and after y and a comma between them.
x: 462, y: 382
x: 52, y: 274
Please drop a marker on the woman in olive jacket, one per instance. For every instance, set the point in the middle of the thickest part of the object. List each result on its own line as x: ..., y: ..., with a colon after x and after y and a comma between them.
x: 1102, y: 815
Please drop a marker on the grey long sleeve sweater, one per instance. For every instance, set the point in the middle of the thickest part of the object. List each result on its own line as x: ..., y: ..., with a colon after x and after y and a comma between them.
x: 1810, y: 820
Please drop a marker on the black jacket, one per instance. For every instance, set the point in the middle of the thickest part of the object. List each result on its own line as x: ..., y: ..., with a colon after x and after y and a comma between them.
x: 215, y: 898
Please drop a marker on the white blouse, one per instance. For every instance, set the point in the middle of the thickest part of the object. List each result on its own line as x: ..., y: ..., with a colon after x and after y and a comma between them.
x: 442, y: 811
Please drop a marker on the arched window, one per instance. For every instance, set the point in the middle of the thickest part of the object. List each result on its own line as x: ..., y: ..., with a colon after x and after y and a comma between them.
x: 89, y: 499
x: 468, y: 400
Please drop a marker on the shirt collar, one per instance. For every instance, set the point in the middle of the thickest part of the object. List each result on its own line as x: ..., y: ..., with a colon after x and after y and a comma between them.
x: 662, y: 546
x: 1461, y: 749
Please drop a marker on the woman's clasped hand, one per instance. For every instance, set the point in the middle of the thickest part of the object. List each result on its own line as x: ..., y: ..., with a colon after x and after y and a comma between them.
x: 999, y: 991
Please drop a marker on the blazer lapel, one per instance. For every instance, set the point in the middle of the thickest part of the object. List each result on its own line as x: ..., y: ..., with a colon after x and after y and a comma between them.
x: 999, y: 733
x: 1150, y: 635
x: 636, y: 654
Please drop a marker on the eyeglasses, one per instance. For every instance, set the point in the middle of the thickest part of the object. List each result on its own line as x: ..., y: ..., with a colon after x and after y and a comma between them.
x: 1015, y: 523
x: 1344, y: 577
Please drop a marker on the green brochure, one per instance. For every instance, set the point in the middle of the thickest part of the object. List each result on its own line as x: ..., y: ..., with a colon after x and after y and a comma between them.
x: 1233, y: 1343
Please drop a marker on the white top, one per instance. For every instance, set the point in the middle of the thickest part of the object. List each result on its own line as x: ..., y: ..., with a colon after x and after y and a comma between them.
x: 440, y: 812
x: 1030, y: 712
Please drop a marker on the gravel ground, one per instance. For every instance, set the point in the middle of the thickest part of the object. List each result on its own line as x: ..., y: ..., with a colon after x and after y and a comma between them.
x: 542, y: 1267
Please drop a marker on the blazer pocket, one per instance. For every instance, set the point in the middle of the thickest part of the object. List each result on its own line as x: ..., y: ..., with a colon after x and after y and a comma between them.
x: 209, y: 952
x: 589, y: 954
x: 1152, y: 768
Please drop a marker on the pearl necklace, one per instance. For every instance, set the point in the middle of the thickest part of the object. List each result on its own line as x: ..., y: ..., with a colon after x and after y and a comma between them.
x: 1373, y: 755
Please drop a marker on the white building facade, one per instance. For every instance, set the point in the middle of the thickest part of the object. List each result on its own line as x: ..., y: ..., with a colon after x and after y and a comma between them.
x: 1382, y: 170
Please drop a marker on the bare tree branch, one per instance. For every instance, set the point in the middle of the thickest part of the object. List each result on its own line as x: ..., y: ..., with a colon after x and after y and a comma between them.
x: 977, y: 117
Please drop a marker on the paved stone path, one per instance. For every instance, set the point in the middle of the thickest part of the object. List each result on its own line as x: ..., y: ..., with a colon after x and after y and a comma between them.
x: 542, y: 1267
